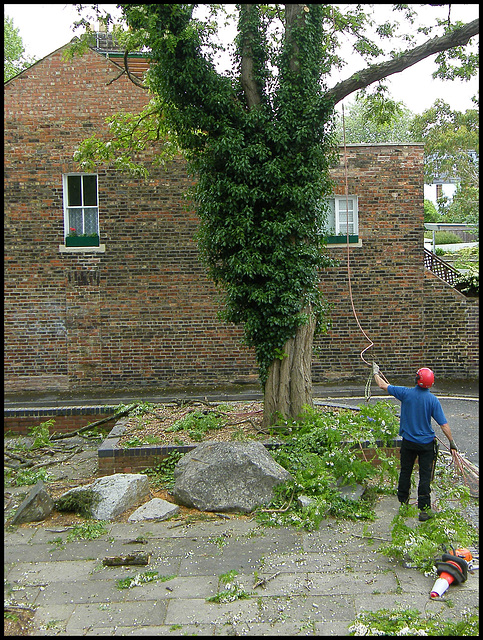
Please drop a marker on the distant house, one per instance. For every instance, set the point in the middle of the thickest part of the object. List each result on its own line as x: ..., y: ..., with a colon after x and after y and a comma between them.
x: 135, y: 310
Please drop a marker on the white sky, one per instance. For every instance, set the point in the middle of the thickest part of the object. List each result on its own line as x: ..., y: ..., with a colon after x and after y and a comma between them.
x: 46, y: 27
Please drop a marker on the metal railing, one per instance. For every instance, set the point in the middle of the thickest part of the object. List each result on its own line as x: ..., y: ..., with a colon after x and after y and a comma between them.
x: 440, y: 268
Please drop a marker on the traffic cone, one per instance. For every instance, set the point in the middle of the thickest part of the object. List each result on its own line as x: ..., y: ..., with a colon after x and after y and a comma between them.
x: 452, y: 569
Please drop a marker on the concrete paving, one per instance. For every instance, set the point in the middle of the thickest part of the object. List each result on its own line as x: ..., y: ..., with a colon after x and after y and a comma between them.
x: 317, y: 581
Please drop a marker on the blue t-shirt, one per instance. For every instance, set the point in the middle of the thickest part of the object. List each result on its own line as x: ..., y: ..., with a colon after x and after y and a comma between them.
x: 418, y: 406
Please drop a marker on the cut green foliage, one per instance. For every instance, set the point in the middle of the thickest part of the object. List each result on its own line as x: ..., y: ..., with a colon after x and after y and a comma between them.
x: 139, y: 442
x: 41, y: 434
x: 142, y: 578
x: 231, y: 589
x: 161, y: 476
x: 25, y: 477
x: 410, y: 622
x: 80, y: 502
x: 197, y: 423
x: 136, y: 408
x: 87, y: 531
x: 321, y: 448
x: 417, y: 544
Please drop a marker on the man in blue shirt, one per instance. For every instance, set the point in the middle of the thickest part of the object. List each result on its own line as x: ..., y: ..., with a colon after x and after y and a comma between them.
x: 418, y: 406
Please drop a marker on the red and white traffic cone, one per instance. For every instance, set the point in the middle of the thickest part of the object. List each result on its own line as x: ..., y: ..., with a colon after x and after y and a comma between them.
x: 452, y: 569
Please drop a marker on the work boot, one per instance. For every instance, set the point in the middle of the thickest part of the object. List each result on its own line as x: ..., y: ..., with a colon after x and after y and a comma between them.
x: 425, y: 515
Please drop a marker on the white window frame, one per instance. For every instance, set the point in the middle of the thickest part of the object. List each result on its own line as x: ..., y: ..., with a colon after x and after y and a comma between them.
x: 82, y: 206
x: 340, y: 216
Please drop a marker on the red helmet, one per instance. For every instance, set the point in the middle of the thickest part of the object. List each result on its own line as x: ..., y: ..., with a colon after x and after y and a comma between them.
x: 424, y: 378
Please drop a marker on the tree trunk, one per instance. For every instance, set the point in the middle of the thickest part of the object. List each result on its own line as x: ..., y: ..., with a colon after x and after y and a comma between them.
x: 289, y: 384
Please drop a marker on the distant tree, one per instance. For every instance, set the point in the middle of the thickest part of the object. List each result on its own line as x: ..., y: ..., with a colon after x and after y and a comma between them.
x: 14, y: 59
x: 430, y: 212
x: 364, y: 123
x: 451, y: 147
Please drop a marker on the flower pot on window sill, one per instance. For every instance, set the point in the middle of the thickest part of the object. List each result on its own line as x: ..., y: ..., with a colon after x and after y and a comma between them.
x: 82, y: 241
x: 341, y: 239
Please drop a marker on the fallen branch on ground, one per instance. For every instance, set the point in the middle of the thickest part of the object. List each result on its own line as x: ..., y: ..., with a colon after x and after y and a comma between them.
x: 263, y: 581
x: 119, y: 414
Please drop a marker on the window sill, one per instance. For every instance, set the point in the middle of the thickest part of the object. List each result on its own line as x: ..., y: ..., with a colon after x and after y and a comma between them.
x: 100, y: 249
x: 336, y: 245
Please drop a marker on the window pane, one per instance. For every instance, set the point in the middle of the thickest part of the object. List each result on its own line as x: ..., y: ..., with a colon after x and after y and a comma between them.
x: 90, y: 191
x: 90, y: 221
x: 347, y: 215
x: 327, y: 215
x: 75, y: 221
x: 74, y: 191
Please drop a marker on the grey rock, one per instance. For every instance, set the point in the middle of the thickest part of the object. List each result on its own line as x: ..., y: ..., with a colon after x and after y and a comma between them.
x: 115, y: 494
x: 37, y: 505
x: 304, y: 501
x: 155, y: 509
x: 351, y: 492
x: 227, y: 476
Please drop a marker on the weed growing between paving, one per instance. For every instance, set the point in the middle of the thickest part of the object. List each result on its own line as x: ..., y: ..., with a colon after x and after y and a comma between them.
x: 231, y: 590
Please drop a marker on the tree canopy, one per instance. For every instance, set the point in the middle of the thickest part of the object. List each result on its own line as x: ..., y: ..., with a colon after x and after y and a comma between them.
x: 14, y: 59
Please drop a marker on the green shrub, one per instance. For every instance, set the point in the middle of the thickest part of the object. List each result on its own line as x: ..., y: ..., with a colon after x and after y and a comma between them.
x: 446, y: 237
x: 469, y: 283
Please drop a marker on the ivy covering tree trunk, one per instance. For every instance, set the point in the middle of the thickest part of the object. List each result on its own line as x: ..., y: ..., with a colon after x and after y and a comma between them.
x: 259, y: 141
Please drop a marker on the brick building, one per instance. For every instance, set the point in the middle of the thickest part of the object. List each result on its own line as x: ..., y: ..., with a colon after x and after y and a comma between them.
x: 137, y: 311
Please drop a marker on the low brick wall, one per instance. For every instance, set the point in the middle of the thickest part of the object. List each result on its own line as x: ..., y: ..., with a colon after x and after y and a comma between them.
x: 18, y: 422
x: 112, y: 459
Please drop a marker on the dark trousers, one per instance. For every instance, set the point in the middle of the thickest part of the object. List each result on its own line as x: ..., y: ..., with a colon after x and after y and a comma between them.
x: 426, y: 455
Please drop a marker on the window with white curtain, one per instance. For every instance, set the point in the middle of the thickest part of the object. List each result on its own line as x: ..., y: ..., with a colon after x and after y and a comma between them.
x: 81, y: 210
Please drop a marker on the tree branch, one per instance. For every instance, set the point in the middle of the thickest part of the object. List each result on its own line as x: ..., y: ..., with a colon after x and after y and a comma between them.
x: 248, y: 81
x: 372, y: 74
x: 132, y: 78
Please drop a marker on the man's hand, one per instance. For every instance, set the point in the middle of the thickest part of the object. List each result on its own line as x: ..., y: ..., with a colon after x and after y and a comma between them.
x: 452, y: 446
x: 375, y: 369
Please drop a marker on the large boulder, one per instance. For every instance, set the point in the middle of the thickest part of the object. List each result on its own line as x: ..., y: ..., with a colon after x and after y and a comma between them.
x: 227, y: 476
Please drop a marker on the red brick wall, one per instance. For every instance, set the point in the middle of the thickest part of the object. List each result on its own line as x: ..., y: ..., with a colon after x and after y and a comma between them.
x: 142, y: 314
x: 451, y: 330
x: 386, y: 272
